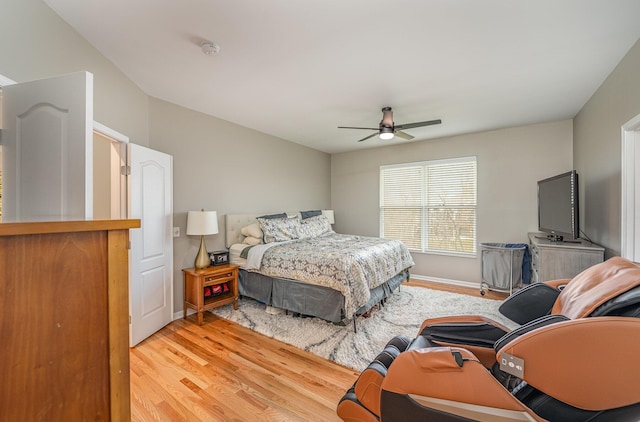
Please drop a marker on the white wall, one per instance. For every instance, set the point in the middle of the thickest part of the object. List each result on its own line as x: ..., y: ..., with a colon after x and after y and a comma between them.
x: 223, y: 167
x: 597, y: 150
x: 510, y: 162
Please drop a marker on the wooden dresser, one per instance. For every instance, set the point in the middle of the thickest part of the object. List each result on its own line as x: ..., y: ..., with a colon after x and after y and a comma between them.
x: 64, y: 327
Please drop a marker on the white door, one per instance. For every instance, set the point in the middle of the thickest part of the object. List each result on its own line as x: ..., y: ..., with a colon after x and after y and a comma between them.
x: 47, y: 149
x: 151, y: 269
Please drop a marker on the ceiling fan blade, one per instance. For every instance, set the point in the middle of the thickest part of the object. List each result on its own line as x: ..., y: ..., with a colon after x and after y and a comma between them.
x: 403, y: 135
x: 351, y: 127
x: 418, y: 124
x: 370, y: 136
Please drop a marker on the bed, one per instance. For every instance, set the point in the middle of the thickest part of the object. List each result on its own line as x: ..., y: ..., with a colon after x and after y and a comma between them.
x: 327, y: 275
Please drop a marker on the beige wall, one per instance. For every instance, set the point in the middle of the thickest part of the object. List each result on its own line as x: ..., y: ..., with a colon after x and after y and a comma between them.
x: 510, y: 162
x: 597, y: 150
x: 35, y: 43
x: 217, y: 165
x: 227, y: 168
x: 241, y: 170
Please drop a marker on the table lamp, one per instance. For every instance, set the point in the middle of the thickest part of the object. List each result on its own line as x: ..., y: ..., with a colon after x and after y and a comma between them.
x: 202, y: 223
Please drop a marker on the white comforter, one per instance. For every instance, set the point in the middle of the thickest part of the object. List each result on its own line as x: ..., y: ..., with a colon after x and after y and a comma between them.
x: 350, y: 264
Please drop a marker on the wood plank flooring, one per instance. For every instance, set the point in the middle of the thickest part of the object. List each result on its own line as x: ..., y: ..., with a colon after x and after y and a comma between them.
x: 221, y: 371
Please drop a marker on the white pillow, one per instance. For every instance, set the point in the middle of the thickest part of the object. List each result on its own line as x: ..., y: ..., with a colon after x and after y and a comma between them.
x: 252, y: 230
x: 250, y: 240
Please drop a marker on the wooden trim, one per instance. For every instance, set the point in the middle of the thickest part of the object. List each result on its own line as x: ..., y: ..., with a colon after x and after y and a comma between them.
x: 42, y: 227
x: 118, y: 312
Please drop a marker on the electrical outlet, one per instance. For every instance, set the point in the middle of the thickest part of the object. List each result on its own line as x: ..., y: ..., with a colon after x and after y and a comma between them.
x: 176, y: 232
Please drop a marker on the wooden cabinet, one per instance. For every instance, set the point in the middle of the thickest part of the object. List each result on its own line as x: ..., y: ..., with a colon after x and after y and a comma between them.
x: 64, y: 330
x: 559, y: 260
x: 195, y: 282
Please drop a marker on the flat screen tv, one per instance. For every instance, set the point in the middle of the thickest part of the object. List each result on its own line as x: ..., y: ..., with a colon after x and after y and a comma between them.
x: 558, y: 207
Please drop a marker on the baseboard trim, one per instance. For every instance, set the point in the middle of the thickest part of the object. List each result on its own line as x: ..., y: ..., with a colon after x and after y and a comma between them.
x: 460, y: 283
x: 178, y: 315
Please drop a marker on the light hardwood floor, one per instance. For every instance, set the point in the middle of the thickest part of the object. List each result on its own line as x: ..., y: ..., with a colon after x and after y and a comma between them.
x: 221, y: 371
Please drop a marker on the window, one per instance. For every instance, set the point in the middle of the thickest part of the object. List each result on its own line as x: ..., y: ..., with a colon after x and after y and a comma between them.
x: 430, y: 206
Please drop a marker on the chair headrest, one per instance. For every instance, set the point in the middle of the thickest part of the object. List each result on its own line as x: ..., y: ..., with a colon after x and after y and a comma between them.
x: 596, y: 285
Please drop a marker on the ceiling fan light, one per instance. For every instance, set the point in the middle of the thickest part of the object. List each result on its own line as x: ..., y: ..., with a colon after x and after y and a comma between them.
x: 386, y: 132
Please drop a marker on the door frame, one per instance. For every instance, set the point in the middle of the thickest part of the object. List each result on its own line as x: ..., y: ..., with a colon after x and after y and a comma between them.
x: 630, y: 173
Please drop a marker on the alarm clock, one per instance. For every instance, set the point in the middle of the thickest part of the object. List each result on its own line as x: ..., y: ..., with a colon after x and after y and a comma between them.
x: 219, y: 257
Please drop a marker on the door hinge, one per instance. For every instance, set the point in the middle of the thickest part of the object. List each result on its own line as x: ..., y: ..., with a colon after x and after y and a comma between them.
x: 129, y: 245
x: 0, y: 136
x: 125, y: 170
x: 129, y: 319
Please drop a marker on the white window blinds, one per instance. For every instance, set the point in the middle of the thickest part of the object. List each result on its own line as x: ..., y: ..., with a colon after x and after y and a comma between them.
x: 430, y: 206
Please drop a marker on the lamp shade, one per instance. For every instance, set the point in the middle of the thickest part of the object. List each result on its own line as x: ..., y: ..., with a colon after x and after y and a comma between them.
x: 329, y: 215
x: 202, y: 223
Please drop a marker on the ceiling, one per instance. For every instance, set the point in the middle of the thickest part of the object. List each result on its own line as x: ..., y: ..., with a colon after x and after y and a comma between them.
x: 298, y: 69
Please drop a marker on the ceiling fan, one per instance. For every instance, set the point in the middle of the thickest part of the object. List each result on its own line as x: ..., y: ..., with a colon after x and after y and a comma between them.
x: 388, y: 129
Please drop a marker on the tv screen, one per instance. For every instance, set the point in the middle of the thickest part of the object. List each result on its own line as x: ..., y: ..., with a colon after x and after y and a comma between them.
x: 558, y: 206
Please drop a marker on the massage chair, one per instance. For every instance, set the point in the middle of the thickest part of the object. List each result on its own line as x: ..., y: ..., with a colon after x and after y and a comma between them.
x: 575, y: 357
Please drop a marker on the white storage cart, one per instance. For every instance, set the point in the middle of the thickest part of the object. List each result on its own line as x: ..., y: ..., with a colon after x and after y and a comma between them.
x: 501, y: 266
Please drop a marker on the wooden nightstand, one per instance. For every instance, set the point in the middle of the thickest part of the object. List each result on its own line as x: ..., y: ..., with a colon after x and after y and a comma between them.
x: 196, y: 280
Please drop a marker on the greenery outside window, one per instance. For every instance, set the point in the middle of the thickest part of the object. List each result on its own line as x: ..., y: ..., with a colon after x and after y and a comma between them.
x: 431, y: 205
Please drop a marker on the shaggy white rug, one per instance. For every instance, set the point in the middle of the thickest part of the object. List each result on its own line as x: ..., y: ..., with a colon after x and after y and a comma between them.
x: 403, y: 313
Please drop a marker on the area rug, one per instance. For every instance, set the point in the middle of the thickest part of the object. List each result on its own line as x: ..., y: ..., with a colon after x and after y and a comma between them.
x: 403, y: 313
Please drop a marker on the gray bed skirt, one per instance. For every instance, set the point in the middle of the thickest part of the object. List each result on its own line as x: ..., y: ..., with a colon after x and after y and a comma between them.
x: 309, y: 299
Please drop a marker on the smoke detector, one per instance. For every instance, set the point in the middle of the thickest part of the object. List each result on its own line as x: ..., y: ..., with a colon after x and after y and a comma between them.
x: 210, y: 48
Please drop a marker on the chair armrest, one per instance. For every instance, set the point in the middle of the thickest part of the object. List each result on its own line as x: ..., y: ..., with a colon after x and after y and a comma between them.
x: 472, y: 332
x: 423, y: 383
x: 528, y: 327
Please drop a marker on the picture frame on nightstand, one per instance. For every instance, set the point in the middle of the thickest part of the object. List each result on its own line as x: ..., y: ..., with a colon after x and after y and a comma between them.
x: 219, y: 257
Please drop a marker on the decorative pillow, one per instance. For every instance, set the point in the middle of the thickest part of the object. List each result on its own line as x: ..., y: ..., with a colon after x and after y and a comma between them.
x: 308, y: 214
x: 279, y: 229
x: 314, y: 227
x: 250, y: 240
x: 271, y: 216
x: 252, y: 230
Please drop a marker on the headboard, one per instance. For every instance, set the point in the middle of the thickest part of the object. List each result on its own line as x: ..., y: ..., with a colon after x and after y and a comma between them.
x: 233, y: 223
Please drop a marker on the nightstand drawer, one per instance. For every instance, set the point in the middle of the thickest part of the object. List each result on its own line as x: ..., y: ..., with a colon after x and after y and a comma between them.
x: 219, y: 278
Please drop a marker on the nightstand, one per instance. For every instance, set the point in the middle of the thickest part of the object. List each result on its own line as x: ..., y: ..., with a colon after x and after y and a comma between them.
x: 196, y: 280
